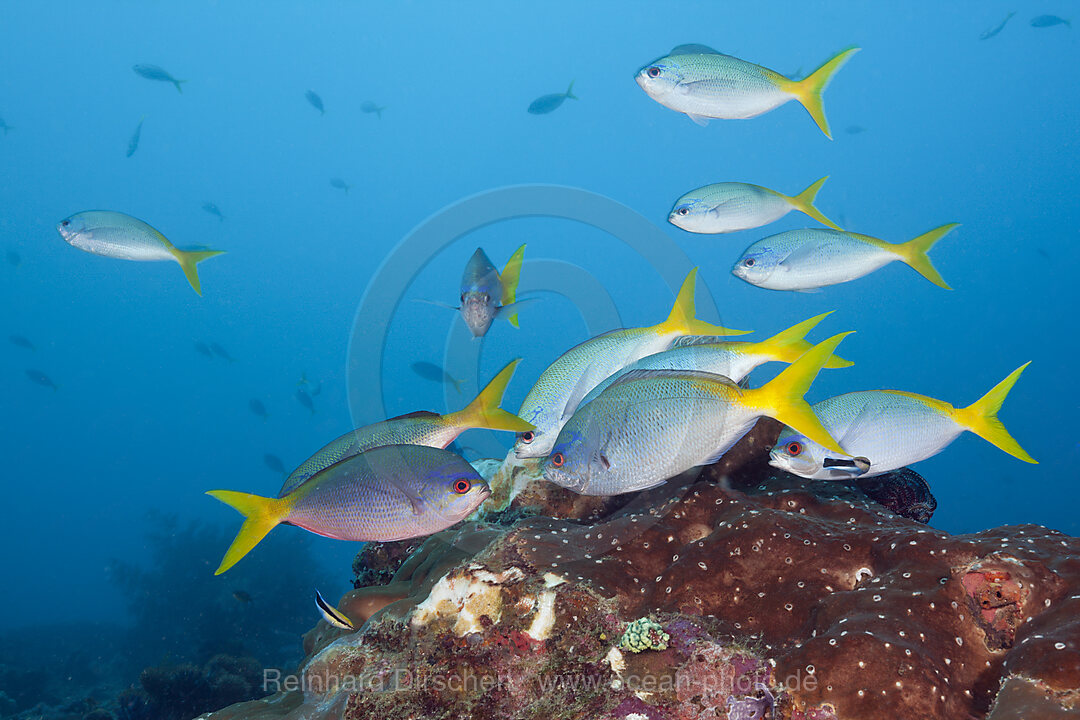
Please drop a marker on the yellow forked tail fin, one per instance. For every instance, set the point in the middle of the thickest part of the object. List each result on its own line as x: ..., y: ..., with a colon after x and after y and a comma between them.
x: 782, y: 397
x: 809, y: 90
x: 509, y: 279
x: 913, y: 252
x: 804, y: 203
x: 484, y: 411
x: 790, y: 345
x: 682, y: 320
x: 261, y: 516
x: 188, y: 259
x: 981, y: 417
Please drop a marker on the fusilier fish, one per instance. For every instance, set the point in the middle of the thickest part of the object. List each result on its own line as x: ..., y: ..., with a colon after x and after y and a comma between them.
x: 417, y: 428
x: 882, y: 430
x: 21, y: 341
x: 651, y: 425
x: 153, y: 72
x: 549, y: 103
x: 39, y: 378
x: 274, y: 463
x: 369, y: 107
x: 213, y: 210
x: 704, y: 84
x: 340, y: 184
x: 816, y: 257
x: 434, y: 373
x: 1044, y: 21
x: 733, y: 206
x: 315, y: 100
x: 256, y: 406
x: 384, y: 494
x: 116, y: 235
x: 133, y: 143
x: 304, y: 399
x: 221, y: 352
x: 203, y: 349
x: 566, y: 382
x: 998, y: 28
x: 487, y: 294
x: 731, y: 358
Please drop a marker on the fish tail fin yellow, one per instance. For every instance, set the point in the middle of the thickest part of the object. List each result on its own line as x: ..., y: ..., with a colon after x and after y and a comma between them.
x: 981, y: 417
x: 188, y: 259
x: 782, y: 397
x: 682, y: 320
x: 804, y: 203
x: 261, y: 516
x: 484, y: 411
x: 791, y: 344
x: 509, y: 279
x: 808, y: 91
x: 913, y: 252
x: 570, y: 92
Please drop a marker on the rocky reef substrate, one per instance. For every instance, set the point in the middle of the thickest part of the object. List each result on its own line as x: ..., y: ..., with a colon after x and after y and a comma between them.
x: 734, y: 592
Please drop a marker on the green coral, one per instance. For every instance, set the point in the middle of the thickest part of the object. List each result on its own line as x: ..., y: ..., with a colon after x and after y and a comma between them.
x: 644, y: 634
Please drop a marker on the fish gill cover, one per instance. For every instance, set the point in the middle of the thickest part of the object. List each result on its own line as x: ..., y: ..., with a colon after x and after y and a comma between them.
x: 350, y: 159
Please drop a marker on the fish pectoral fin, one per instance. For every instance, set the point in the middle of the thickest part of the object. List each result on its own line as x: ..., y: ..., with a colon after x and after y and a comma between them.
x: 581, y: 389
x: 698, y: 119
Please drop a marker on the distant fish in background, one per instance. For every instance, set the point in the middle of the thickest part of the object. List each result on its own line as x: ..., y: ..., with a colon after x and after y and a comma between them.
x: 304, y: 382
x: 434, y: 373
x: 1045, y: 21
x: 855, y: 130
x: 304, y: 399
x: 14, y: 258
x: 221, y: 352
x: 203, y: 349
x: 316, y: 101
x: 213, y: 210
x: 258, y: 408
x: 370, y: 107
x: 120, y: 236
x: 153, y: 72
x: 242, y: 596
x: 4, y: 126
x: 339, y: 184
x: 133, y: 143
x: 550, y: 103
x: 704, y: 84
x: 21, y: 341
x: 274, y: 463
x: 815, y: 257
x: 732, y: 206
x: 39, y: 378
x: 987, y: 34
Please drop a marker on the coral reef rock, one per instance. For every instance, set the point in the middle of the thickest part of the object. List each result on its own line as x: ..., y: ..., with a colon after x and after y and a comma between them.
x: 764, y: 595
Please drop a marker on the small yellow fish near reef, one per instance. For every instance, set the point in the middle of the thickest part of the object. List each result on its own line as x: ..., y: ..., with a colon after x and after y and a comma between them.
x: 116, y: 235
x: 705, y: 84
x: 388, y: 493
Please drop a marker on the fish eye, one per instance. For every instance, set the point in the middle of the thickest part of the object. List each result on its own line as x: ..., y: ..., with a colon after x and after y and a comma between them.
x: 683, y: 211
x: 794, y: 448
x: 462, y: 297
x: 748, y: 262
x: 653, y: 72
x: 462, y: 486
x: 528, y: 436
x: 558, y: 459
x: 66, y: 223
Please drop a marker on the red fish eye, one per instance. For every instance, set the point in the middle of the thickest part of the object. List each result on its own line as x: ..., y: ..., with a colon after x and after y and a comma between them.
x: 558, y: 459
x: 684, y: 211
x: 748, y: 262
x: 653, y: 72
x: 794, y: 448
x: 462, y: 486
x: 527, y: 437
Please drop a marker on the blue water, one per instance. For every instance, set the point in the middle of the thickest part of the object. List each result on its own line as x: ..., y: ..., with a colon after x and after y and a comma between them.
x: 984, y: 133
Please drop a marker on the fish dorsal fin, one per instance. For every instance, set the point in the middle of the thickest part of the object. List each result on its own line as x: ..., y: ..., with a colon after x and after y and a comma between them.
x: 649, y: 374
x: 693, y: 49
x: 415, y: 414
